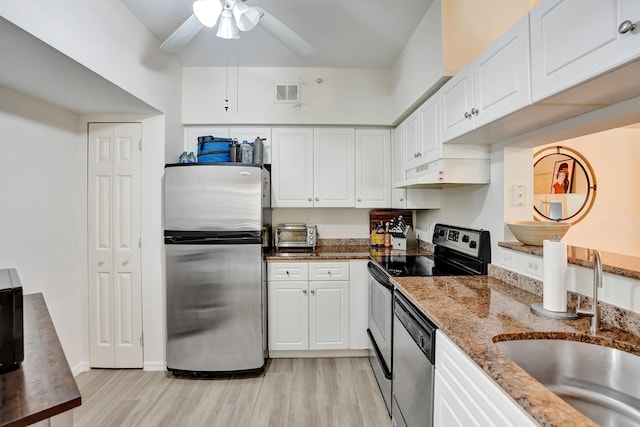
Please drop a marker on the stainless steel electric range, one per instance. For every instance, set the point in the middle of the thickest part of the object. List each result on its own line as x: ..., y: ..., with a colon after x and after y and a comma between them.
x: 457, y: 251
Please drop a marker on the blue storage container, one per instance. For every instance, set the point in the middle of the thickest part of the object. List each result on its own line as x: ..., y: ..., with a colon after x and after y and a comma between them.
x: 213, y: 149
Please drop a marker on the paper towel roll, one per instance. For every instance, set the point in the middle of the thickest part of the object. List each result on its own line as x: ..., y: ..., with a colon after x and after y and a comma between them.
x: 554, y: 277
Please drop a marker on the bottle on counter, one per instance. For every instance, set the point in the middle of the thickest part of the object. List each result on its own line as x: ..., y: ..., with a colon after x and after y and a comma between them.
x: 246, y: 151
x: 387, y: 236
x: 374, y: 236
x: 258, y: 149
x: 380, y: 235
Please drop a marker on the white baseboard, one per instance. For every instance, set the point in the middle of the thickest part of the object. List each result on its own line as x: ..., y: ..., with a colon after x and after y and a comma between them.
x: 154, y: 366
x: 280, y: 354
x: 79, y: 368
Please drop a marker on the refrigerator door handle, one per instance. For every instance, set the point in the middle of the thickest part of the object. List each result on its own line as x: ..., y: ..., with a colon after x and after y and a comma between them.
x: 211, y: 240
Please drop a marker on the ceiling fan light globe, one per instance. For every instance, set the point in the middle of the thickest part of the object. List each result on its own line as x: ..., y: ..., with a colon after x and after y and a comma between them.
x: 207, y: 11
x: 227, y: 27
x: 246, y: 17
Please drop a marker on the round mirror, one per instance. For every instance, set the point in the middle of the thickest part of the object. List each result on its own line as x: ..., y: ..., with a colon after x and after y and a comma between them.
x: 564, y: 185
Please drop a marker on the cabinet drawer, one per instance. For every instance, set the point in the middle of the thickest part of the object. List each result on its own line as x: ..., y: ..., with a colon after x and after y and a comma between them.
x: 329, y: 271
x: 288, y: 271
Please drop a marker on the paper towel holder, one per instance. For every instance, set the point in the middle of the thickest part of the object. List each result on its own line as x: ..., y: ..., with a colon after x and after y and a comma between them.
x: 537, y: 308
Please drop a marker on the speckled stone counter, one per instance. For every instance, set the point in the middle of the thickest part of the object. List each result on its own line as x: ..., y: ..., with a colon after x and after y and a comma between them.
x: 622, y: 265
x: 475, y: 312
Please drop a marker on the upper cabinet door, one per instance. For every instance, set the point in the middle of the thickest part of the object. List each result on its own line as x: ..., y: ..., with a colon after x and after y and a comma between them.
x: 575, y: 40
x: 411, y: 139
x: 333, y: 167
x: 373, y: 168
x: 292, y: 167
x: 430, y: 147
x: 457, y: 104
x: 501, y: 76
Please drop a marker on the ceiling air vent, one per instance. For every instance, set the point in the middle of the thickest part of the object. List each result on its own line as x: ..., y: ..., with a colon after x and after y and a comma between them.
x: 288, y: 92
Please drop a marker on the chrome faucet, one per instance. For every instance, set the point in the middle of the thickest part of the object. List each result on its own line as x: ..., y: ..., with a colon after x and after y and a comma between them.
x: 594, y: 312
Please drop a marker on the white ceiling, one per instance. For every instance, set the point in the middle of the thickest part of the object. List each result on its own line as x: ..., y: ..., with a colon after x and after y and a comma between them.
x: 343, y: 33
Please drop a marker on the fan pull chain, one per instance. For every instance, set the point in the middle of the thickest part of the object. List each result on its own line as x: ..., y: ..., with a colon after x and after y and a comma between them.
x: 226, y: 85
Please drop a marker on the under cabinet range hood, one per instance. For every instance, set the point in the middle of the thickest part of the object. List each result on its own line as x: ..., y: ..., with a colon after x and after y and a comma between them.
x: 449, y: 172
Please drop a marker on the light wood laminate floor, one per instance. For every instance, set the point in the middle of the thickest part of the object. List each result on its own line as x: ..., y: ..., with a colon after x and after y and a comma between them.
x: 292, y: 392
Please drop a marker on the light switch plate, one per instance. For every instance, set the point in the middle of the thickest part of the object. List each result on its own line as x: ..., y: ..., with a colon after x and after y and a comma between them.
x: 519, y: 194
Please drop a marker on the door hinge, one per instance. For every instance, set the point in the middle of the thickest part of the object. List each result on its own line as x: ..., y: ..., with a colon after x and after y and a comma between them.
x: 141, y: 339
x: 139, y: 242
x: 140, y: 145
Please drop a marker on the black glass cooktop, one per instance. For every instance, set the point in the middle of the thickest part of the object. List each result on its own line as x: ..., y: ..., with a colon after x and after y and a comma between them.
x: 406, y: 265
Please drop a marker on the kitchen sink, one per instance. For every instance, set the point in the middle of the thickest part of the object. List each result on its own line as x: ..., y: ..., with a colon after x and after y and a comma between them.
x: 601, y: 382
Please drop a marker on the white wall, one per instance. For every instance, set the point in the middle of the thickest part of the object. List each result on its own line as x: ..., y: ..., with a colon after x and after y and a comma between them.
x: 333, y: 223
x: 43, y: 191
x: 105, y: 37
x: 345, y: 96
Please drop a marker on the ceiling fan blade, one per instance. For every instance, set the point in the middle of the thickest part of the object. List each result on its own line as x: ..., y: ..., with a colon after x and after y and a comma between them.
x: 182, y: 35
x: 284, y: 34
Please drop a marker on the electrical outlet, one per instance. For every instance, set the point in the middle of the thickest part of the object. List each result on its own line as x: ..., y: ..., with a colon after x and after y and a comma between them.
x: 533, y: 267
x: 519, y: 196
x: 506, y: 259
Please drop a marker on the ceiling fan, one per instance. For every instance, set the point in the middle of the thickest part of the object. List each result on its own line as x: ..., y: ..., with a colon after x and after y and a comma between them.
x: 231, y: 16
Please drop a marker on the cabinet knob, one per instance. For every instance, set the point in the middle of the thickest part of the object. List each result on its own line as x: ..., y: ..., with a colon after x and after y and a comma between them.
x: 304, y: 291
x: 467, y: 115
x: 100, y: 262
x: 286, y: 272
x: 317, y: 199
x: 125, y: 262
x: 329, y: 272
x: 310, y: 199
x: 626, y: 26
x: 359, y: 199
x: 402, y: 199
x: 419, y: 154
x: 475, y: 111
x: 313, y: 291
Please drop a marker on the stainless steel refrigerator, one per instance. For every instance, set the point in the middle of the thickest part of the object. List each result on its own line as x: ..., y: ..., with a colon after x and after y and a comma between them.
x: 216, y: 219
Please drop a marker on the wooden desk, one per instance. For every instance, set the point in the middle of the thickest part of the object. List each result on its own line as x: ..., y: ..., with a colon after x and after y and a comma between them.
x: 43, y: 385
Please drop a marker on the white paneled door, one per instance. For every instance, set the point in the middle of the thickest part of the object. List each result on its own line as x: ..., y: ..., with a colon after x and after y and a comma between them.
x: 115, y: 304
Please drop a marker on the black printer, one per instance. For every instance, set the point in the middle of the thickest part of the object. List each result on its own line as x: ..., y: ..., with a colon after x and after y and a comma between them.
x: 11, y: 320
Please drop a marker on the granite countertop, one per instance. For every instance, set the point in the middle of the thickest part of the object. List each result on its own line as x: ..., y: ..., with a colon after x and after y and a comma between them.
x: 622, y: 265
x: 475, y: 312
x: 335, y: 253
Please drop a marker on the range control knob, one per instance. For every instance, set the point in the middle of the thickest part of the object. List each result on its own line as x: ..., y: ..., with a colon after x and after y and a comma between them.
x: 473, y: 244
x: 465, y: 238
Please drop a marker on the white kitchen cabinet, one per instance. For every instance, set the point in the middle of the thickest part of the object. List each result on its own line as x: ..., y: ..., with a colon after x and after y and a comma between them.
x: 249, y: 133
x: 411, y: 198
x: 308, y: 314
x: 566, y: 51
x: 333, y: 167
x: 313, y: 167
x: 292, y: 167
x: 422, y: 141
x: 373, y: 168
x: 289, y: 315
x: 495, y: 84
x: 464, y: 395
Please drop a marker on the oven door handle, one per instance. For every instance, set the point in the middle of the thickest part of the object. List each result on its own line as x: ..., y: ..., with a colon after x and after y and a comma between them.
x: 383, y: 364
x: 379, y: 276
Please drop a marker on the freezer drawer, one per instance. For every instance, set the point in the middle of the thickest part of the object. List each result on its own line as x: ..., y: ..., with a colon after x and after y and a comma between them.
x: 216, y: 307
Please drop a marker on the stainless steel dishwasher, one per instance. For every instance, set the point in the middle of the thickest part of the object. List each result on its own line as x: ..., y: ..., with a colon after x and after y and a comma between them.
x: 414, y: 338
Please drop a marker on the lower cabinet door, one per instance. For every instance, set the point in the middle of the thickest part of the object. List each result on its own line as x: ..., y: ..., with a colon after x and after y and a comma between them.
x: 288, y: 315
x: 328, y: 315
